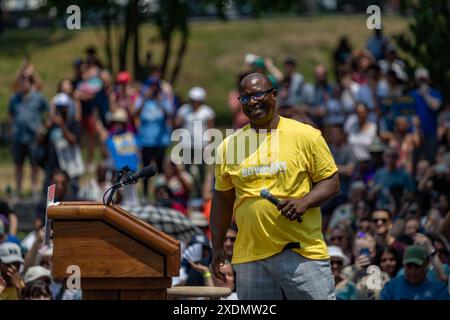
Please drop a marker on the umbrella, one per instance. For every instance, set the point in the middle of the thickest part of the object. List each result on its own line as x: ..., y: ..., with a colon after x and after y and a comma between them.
x: 170, y: 221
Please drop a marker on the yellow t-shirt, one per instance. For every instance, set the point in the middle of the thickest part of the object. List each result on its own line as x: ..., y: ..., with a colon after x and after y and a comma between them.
x: 286, y: 161
x: 9, y: 293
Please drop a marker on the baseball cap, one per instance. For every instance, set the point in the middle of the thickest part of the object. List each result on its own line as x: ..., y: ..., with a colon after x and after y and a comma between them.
x: 120, y: 115
x: 415, y: 254
x: 357, y: 185
x: 197, y: 94
x: 421, y: 73
x: 336, y: 252
x: 123, y: 77
x: 62, y: 100
x: 10, y: 253
x: 35, y: 273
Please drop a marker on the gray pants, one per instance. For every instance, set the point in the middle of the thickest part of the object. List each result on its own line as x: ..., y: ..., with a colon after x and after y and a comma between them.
x: 286, y: 275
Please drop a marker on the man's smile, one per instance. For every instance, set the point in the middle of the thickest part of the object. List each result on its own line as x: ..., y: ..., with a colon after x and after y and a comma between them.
x: 256, y: 110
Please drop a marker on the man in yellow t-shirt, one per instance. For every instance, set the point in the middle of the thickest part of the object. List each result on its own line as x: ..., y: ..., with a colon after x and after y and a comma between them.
x: 275, y: 256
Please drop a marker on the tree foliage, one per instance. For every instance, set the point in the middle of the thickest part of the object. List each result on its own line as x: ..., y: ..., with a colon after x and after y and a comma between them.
x: 428, y: 41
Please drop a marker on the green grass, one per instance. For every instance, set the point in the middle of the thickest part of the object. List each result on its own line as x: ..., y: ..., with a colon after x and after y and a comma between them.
x: 214, y: 56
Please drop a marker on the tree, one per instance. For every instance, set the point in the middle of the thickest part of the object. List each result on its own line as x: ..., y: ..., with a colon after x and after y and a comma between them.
x: 428, y: 41
x: 1, y: 17
x: 170, y: 18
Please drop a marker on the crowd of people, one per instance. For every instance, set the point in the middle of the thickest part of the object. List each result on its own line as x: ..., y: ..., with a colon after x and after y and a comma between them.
x: 389, y: 132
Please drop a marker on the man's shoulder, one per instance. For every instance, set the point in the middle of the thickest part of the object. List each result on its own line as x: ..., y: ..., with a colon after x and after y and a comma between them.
x: 236, y: 134
x: 300, y: 129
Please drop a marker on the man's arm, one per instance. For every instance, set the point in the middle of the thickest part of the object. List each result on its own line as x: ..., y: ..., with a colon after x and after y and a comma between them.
x: 321, y: 192
x: 221, y: 213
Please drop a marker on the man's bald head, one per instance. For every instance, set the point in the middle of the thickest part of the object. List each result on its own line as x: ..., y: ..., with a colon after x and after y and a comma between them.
x: 253, y: 79
x: 258, y: 100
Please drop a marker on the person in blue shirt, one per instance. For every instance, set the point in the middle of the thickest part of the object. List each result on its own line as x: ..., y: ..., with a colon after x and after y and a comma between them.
x: 390, y: 180
x: 427, y: 102
x: 414, y: 283
x: 122, y: 148
x: 154, y: 111
x: 26, y: 111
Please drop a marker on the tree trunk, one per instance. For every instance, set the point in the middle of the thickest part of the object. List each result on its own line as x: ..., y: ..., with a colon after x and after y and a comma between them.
x: 123, y: 49
x: 136, y: 47
x: 108, y: 43
x: 1, y: 18
x: 167, y: 49
x: 180, y: 56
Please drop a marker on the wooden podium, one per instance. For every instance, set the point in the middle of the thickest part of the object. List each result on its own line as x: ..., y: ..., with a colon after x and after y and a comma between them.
x: 120, y: 256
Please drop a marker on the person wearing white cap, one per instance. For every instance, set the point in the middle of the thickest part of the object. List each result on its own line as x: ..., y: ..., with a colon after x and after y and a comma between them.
x: 427, y: 101
x: 11, y: 262
x: 58, y: 142
x: 37, y: 273
x: 63, y: 100
x: 196, y: 117
x: 338, y: 260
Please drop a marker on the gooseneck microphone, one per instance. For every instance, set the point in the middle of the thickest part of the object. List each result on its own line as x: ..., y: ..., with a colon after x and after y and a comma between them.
x: 265, y: 194
x: 146, y: 172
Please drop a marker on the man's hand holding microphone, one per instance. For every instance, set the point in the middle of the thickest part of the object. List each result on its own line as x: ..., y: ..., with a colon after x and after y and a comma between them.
x: 293, y: 209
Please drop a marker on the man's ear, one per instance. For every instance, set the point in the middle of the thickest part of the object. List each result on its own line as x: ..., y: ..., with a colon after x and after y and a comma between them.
x: 275, y: 92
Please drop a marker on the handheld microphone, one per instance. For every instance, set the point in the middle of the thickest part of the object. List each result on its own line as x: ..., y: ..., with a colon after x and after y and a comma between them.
x: 265, y: 194
x: 146, y: 172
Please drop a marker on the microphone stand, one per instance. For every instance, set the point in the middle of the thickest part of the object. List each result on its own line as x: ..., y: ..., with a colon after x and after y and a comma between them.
x: 120, y: 174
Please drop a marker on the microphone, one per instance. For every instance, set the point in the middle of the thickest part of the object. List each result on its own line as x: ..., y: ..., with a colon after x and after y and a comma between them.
x: 265, y: 194
x: 146, y: 172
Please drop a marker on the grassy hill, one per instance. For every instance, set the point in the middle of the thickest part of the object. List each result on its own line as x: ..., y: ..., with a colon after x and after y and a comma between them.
x: 215, y: 51
x: 215, y: 54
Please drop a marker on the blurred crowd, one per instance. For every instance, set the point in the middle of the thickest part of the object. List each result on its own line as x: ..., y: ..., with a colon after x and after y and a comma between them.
x: 387, y: 128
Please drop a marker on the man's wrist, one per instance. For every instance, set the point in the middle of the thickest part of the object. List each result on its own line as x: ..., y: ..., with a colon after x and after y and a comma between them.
x: 306, y: 203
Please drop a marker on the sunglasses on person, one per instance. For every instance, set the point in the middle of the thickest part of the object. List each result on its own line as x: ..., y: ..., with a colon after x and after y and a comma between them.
x: 375, y: 220
x: 258, y: 96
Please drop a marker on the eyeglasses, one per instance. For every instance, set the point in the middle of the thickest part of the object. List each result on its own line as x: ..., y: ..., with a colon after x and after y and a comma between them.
x: 384, y: 220
x: 232, y: 239
x: 257, y: 96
